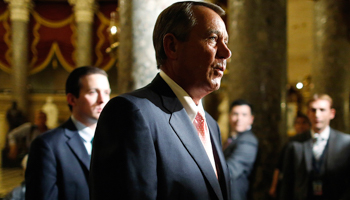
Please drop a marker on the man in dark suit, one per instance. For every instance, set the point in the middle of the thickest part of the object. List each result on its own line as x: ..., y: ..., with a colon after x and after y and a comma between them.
x: 157, y: 142
x: 241, y: 148
x: 316, y: 164
x: 59, y: 160
x: 302, y: 124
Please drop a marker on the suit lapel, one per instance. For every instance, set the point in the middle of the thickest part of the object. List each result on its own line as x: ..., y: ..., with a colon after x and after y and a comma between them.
x: 222, y: 160
x: 186, y: 132
x: 331, y: 150
x: 307, y: 146
x: 75, y: 143
x: 179, y: 121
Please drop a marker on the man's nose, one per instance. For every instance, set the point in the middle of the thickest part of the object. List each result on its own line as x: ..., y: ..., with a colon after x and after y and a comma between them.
x: 102, y: 98
x: 223, y: 51
x: 317, y: 113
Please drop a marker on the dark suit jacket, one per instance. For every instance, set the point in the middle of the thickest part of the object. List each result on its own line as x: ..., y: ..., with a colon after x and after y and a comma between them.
x: 145, y: 147
x: 58, y: 166
x: 298, y: 168
x: 240, y: 156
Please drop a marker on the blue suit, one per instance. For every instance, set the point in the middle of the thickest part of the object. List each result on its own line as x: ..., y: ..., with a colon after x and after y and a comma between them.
x: 146, y: 147
x: 58, y: 166
x: 240, y: 157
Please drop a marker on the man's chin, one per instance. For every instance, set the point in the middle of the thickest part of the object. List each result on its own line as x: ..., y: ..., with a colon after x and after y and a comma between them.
x: 215, y: 84
x: 95, y: 117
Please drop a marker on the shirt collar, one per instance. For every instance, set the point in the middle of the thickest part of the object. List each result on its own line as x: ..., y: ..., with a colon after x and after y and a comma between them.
x: 324, y: 134
x: 187, y: 102
x: 85, y: 132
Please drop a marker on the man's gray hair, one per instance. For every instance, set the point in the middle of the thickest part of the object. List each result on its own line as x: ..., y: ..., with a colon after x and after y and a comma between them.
x: 178, y: 19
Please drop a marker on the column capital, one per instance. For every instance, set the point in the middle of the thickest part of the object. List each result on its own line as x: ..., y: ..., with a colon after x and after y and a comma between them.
x: 84, y: 10
x: 19, y: 9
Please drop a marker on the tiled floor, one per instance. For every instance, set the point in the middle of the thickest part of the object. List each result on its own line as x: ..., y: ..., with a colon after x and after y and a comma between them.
x: 9, y: 179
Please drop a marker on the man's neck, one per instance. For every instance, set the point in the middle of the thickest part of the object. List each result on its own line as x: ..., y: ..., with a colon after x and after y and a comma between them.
x: 195, y: 93
x: 319, y: 131
x: 316, y: 130
x: 89, y: 123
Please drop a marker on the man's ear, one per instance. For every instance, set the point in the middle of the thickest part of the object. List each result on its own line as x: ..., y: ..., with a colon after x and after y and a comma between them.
x: 333, y: 113
x: 252, y: 120
x: 71, y: 99
x: 170, y: 45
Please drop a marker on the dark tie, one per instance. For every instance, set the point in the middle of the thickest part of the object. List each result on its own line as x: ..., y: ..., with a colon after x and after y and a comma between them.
x: 91, y: 143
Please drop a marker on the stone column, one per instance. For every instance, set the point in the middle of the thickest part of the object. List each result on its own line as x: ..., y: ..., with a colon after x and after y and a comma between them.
x: 331, y: 56
x: 84, y: 16
x: 137, y: 63
x: 3, y: 133
x: 257, y: 73
x: 19, y: 14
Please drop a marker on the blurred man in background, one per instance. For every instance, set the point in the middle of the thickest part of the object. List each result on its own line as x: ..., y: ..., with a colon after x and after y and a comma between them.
x: 241, y: 148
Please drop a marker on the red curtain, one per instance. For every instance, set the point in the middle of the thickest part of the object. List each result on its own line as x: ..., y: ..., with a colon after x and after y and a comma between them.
x: 52, y: 36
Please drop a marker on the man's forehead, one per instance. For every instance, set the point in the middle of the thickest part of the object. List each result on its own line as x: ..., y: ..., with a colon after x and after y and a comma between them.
x: 206, y: 16
x: 241, y: 108
x: 320, y: 103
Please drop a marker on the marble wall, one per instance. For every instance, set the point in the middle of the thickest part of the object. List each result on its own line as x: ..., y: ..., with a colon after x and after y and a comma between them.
x: 257, y: 73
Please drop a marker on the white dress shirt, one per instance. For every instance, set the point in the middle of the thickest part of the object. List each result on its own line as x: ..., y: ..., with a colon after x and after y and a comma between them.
x: 86, y: 133
x: 191, y: 108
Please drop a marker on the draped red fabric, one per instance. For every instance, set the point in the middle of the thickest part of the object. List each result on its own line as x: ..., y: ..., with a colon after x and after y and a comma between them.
x: 4, y: 37
x: 49, y: 24
x: 52, y: 36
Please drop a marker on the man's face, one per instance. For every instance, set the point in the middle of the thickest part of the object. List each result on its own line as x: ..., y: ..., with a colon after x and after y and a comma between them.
x: 93, y: 96
x: 301, y: 125
x: 320, y: 114
x: 241, y: 118
x: 202, y: 59
x: 40, y: 119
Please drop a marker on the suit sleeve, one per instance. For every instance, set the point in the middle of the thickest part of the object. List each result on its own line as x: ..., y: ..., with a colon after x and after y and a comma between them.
x: 241, y: 160
x: 18, y: 133
x: 287, y: 171
x: 123, y: 157
x: 41, y: 174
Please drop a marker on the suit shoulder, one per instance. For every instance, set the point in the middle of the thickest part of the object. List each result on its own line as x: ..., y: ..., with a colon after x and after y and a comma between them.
x: 140, y: 95
x: 300, y: 137
x: 52, y: 135
x: 342, y: 135
x: 248, y: 136
x: 339, y: 132
x: 125, y: 102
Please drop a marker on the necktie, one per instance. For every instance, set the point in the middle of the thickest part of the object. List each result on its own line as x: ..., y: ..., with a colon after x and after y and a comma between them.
x: 92, y: 139
x: 203, y: 133
x: 318, y: 146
